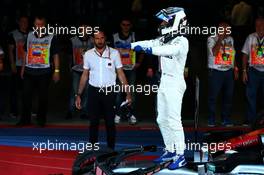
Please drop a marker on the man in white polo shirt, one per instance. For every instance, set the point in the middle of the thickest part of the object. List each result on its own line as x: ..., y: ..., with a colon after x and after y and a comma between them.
x: 101, y: 65
x: 253, y: 76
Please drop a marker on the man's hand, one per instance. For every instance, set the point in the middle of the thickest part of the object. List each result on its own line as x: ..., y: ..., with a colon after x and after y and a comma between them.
x: 123, y: 80
x: 147, y: 50
x: 22, y: 72
x: 236, y: 73
x: 78, y: 102
x: 244, y: 77
x: 56, y: 77
x: 244, y: 66
x: 218, y: 44
x: 129, y: 99
x: 56, y: 62
x: 150, y: 73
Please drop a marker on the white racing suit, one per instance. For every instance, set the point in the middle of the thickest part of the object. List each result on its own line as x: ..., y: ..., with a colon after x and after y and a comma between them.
x: 173, y: 56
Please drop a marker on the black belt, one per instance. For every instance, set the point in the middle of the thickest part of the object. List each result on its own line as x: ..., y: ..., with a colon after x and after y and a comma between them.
x: 166, y: 74
x: 102, y: 87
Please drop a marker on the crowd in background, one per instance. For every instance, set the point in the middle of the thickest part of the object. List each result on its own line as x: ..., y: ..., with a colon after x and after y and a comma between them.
x: 16, y: 24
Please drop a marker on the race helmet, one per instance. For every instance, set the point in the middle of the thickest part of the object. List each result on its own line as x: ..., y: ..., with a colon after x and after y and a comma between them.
x: 175, y: 18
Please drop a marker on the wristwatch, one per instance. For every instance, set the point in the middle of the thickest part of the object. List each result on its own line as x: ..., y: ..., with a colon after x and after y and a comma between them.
x: 76, y: 95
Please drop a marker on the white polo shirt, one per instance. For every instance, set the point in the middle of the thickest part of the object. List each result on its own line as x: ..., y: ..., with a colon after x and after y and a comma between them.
x: 250, y: 48
x: 102, y: 68
x: 227, y: 47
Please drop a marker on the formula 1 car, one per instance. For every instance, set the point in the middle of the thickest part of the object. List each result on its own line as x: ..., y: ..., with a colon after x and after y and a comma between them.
x: 241, y: 161
x: 244, y: 156
x: 102, y: 163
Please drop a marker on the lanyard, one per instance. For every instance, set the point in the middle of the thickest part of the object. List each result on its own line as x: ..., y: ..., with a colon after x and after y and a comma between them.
x: 225, y: 56
x: 260, y: 44
x: 223, y: 47
x: 102, y: 54
x: 260, y: 51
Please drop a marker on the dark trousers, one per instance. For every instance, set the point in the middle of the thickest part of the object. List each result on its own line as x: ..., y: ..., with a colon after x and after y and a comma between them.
x: 255, y: 81
x: 217, y: 81
x: 101, y: 104
x: 16, y: 86
x: 3, y: 93
x: 40, y: 83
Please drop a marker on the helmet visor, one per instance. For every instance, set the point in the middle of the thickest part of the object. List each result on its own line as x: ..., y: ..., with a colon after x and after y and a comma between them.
x: 163, y: 16
x: 168, y: 13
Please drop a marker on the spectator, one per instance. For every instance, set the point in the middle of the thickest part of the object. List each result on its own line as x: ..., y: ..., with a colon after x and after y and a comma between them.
x: 16, y: 54
x: 221, y: 55
x: 253, y: 68
x: 101, y: 65
x: 241, y: 14
x: 241, y: 20
x: 40, y: 62
x: 79, y: 46
x: 131, y: 61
